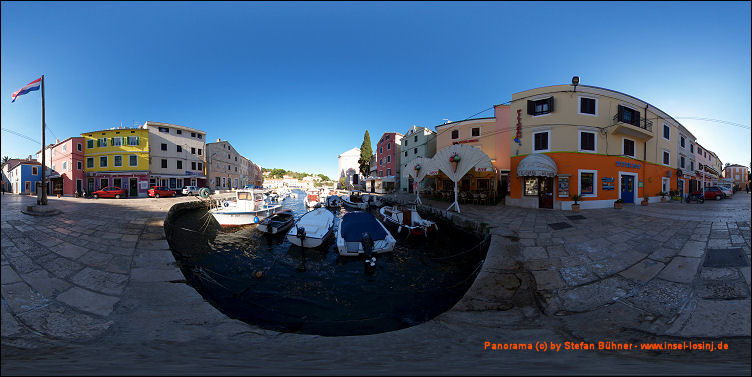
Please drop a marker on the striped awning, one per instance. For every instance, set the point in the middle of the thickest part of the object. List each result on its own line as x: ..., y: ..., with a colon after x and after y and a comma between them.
x: 537, y: 165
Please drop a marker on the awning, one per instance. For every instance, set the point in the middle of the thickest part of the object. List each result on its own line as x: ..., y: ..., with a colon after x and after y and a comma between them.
x: 537, y: 165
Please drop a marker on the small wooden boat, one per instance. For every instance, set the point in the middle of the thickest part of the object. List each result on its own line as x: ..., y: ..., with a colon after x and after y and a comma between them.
x: 355, y: 200
x: 361, y: 233
x: 277, y: 222
x: 407, y: 219
x: 312, y: 228
x: 249, y: 207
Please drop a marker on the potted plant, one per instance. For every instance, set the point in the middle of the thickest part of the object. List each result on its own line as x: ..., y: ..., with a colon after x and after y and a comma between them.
x: 644, y: 200
x: 576, y: 206
x: 618, y: 203
x: 663, y: 196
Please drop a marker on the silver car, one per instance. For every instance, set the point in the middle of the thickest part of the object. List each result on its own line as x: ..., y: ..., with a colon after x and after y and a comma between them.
x: 190, y: 190
x: 727, y: 190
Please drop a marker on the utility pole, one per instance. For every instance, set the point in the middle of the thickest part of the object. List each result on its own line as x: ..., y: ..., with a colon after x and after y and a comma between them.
x: 43, y: 199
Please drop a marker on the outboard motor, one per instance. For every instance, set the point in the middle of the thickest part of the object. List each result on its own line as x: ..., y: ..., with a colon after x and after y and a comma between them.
x: 301, y: 235
x: 370, y: 260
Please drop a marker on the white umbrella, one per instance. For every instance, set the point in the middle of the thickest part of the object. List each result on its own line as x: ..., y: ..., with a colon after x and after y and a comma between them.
x: 470, y: 157
x: 424, y: 164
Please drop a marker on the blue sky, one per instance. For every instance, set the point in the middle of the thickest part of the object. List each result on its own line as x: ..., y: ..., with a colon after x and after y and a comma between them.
x: 292, y: 85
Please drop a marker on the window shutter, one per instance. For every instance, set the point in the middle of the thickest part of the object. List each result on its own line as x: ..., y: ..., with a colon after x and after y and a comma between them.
x: 530, y: 107
x: 551, y: 104
x: 138, y: 140
x: 125, y: 140
x: 99, y: 143
x: 619, y: 112
x: 637, y: 118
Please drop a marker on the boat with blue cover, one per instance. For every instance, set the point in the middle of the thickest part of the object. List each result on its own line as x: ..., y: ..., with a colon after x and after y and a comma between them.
x: 359, y: 228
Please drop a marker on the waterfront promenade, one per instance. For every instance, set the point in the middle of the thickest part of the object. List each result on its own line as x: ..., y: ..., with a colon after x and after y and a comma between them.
x: 96, y: 290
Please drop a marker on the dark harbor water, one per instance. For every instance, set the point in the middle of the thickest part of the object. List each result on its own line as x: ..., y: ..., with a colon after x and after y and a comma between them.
x: 266, y: 281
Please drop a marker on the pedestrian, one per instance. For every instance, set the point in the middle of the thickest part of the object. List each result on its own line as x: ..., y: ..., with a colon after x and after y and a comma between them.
x: 746, y: 187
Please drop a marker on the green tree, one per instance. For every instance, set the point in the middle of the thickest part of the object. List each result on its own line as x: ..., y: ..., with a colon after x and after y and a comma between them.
x: 5, y: 159
x: 277, y: 173
x: 365, y: 155
x: 323, y: 177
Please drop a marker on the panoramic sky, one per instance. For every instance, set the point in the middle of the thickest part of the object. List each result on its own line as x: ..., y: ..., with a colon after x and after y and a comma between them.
x: 292, y: 85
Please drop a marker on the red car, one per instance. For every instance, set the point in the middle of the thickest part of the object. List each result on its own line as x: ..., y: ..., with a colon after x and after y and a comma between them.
x: 712, y: 193
x: 109, y: 192
x: 157, y: 191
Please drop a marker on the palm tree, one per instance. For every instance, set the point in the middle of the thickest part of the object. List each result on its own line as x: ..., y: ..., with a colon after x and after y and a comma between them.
x: 5, y: 159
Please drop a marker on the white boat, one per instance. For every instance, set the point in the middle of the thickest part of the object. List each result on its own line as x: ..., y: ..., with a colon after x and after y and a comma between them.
x: 249, y: 207
x: 312, y: 199
x: 407, y: 219
x: 355, y: 200
x: 277, y: 222
x: 351, y: 234
x: 312, y: 229
x: 333, y: 201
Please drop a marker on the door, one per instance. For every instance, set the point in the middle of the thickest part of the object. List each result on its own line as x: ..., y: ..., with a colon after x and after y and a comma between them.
x: 546, y: 193
x: 134, y: 187
x: 627, y: 188
x: 681, y: 188
x: 90, y: 185
x: 79, y: 186
x: 103, y: 182
x: 117, y: 182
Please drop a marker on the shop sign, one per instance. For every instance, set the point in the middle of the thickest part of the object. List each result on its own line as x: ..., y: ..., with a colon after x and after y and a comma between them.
x: 640, y: 184
x: 481, y: 169
x: 607, y: 183
x: 468, y: 141
x: 625, y: 164
x: 518, y: 136
x: 563, y: 187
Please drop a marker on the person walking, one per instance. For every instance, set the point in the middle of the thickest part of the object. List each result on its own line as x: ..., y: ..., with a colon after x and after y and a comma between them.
x: 746, y: 187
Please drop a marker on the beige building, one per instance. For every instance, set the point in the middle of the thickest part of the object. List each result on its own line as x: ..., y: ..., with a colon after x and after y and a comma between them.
x: 223, y: 164
x: 176, y: 155
x: 417, y: 142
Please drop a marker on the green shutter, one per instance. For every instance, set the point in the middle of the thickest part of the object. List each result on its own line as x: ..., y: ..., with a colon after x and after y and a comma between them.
x: 99, y: 143
x: 138, y: 140
x: 125, y: 140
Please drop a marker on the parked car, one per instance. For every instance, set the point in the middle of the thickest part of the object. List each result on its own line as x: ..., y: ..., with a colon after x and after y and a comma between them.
x: 157, y: 191
x: 190, y: 190
x: 109, y: 192
x: 727, y: 190
x: 712, y: 192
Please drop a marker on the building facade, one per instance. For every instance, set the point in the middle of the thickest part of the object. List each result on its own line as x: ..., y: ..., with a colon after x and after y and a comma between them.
x: 388, y: 155
x: 707, y: 173
x: 349, y: 168
x: 597, y: 143
x: 176, y: 155
x: 223, y: 165
x: 481, y: 133
x: 68, y: 175
x: 23, y: 175
x: 417, y: 142
x: 117, y: 157
x: 738, y: 173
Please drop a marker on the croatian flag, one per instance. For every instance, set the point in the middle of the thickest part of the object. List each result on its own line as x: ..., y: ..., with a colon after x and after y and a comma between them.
x: 34, y: 85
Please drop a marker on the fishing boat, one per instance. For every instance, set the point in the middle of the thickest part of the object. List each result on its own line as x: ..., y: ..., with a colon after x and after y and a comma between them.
x: 249, y: 207
x: 355, y: 200
x: 407, y: 219
x: 277, y: 222
x: 312, y: 199
x: 312, y: 229
x: 361, y: 233
x: 333, y: 201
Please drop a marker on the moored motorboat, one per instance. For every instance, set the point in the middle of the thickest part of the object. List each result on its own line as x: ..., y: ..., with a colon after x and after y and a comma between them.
x: 333, y: 201
x: 277, y: 222
x: 357, y: 230
x: 312, y: 229
x: 249, y: 207
x: 312, y: 199
x: 407, y: 219
x: 355, y: 200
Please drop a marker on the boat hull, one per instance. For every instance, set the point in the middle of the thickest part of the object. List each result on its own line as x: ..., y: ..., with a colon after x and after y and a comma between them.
x: 228, y: 218
x: 351, y: 249
x: 350, y: 204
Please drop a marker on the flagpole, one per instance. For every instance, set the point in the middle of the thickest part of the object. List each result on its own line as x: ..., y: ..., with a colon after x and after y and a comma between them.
x: 43, y: 200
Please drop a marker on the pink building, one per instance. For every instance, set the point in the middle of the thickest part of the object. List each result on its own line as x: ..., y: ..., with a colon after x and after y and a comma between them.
x: 68, y: 174
x: 706, y: 174
x: 388, y: 150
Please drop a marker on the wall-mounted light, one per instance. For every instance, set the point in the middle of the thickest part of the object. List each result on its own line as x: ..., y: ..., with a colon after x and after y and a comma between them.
x: 575, y: 82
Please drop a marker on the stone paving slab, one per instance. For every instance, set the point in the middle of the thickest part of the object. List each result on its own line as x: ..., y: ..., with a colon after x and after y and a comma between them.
x: 594, y: 295
x: 715, y: 319
x: 643, y: 271
x: 100, y: 281
x: 681, y: 270
x: 88, y: 301
x: 693, y: 249
x: 59, y: 321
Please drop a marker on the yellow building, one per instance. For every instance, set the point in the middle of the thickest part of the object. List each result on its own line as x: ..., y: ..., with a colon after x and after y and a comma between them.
x: 117, y: 157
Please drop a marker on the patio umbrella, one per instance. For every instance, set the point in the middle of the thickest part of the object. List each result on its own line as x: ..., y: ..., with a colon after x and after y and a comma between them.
x: 418, y: 168
x: 456, y: 160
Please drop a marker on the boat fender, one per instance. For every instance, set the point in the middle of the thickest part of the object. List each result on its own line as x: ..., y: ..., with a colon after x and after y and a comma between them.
x: 225, y: 203
x: 255, y: 219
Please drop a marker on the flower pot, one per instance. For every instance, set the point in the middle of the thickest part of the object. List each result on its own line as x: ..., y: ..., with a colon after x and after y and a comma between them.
x: 618, y: 205
x: 644, y: 202
x: 663, y: 200
x: 575, y: 208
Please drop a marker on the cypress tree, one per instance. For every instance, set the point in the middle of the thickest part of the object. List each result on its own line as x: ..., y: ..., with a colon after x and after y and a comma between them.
x: 365, y: 155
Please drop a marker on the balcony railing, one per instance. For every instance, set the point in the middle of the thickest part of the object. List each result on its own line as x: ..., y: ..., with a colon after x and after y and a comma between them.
x: 644, y: 123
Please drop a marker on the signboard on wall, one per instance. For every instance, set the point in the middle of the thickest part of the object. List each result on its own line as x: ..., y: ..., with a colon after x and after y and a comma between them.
x: 563, y: 187
x: 144, y: 185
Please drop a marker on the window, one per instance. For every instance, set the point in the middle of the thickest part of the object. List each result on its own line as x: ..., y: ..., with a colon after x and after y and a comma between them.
x: 118, y: 161
x: 388, y: 146
x: 89, y: 162
x: 455, y: 134
x: 475, y: 131
x: 666, y: 157
x: 79, y: 165
x: 380, y: 151
x: 78, y: 147
x: 103, y: 161
x: 132, y: 140
x: 540, y: 141
x: 89, y: 143
x: 228, y: 156
x: 236, y: 168
x: 540, y: 107
x: 691, y: 166
x: 681, y: 162
x: 666, y: 132
x: 200, y: 166
x: 681, y: 142
x: 699, y: 150
x: 691, y: 148
x: 34, y: 170
x: 588, y: 106
x: 193, y: 150
x: 117, y: 141
x: 180, y: 164
x: 628, y: 147
x: 388, y: 159
x: 193, y: 134
x: 405, y: 153
x: 102, y: 142
x: 405, y: 142
x: 587, y: 182
x: 179, y: 132
x: 65, y: 147
x: 180, y: 149
x: 164, y: 146
x: 629, y: 116
x: 193, y: 165
x: 164, y: 129
x: 132, y: 160
x: 415, y: 150
x: 199, y: 151
x: 415, y: 138
x: 236, y: 158
x: 388, y: 172
x: 164, y: 163
x: 531, y: 186
x: 198, y: 136
x: 587, y: 141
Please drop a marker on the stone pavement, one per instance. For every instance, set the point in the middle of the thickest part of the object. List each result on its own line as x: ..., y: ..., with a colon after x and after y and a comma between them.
x: 101, y: 276
x: 639, y: 267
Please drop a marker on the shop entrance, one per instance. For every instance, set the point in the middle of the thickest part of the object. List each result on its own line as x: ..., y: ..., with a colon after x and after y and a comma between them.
x: 134, y: 187
x: 627, y: 188
x: 546, y: 192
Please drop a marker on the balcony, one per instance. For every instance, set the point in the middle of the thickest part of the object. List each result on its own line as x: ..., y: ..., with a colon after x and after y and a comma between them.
x: 643, y: 130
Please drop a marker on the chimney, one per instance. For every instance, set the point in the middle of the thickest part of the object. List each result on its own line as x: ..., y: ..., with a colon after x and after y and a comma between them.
x: 57, y: 141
